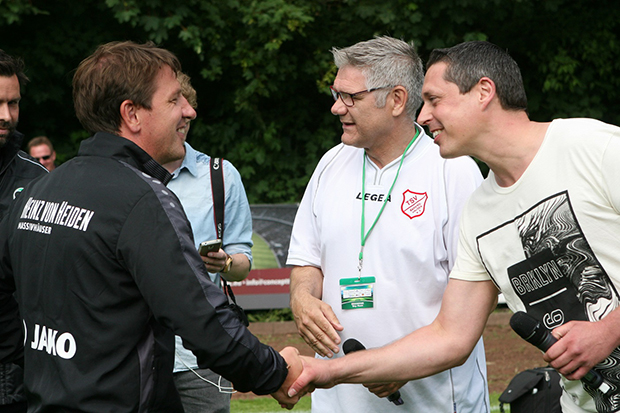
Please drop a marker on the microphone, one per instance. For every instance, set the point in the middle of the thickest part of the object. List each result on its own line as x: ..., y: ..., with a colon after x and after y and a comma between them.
x: 352, y: 345
x: 534, y: 333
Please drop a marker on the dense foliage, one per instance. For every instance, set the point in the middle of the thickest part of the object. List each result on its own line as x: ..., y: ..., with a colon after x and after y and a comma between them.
x: 262, y: 67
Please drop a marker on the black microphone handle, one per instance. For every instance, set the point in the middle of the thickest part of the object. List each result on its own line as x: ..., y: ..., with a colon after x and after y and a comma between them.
x: 534, y: 333
x: 352, y: 345
x: 395, y: 398
x: 546, y: 342
x: 592, y: 378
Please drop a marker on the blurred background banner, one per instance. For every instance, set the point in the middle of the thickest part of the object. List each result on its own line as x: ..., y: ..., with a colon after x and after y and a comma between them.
x: 267, y: 285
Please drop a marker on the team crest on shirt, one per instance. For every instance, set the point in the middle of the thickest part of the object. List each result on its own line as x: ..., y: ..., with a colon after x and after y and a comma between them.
x: 414, y: 203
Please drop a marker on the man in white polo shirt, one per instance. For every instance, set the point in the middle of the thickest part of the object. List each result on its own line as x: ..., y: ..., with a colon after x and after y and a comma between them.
x: 375, y: 235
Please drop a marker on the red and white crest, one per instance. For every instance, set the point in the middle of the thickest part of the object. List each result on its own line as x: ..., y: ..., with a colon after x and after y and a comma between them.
x: 414, y: 203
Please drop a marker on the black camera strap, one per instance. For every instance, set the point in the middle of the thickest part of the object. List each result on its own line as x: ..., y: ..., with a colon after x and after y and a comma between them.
x: 218, y: 195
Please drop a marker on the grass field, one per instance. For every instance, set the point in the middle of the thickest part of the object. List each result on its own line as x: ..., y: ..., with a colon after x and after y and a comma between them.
x: 262, y: 256
x: 267, y: 405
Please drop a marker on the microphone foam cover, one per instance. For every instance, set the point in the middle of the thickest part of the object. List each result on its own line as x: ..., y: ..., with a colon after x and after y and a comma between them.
x: 523, y: 324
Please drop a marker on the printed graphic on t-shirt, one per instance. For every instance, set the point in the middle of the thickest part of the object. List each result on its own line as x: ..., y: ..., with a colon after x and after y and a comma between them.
x: 544, y: 257
x: 414, y: 203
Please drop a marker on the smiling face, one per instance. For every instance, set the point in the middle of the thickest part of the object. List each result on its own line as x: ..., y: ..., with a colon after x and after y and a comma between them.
x: 9, y: 106
x: 45, y: 155
x: 364, y: 125
x: 165, y: 125
x: 449, y: 115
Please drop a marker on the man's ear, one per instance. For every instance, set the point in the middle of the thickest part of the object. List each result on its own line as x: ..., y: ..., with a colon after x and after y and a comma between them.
x: 129, y: 116
x: 486, y: 88
x: 399, y: 96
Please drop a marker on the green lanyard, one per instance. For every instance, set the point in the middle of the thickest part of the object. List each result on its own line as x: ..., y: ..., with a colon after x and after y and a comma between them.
x: 365, y: 237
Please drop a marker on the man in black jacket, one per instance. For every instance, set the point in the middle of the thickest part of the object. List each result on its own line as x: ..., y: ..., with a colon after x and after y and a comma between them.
x: 16, y: 170
x: 102, y: 258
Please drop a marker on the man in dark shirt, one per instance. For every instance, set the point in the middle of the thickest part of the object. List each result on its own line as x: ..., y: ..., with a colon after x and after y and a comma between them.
x: 16, y: 170
x: 103, y: 262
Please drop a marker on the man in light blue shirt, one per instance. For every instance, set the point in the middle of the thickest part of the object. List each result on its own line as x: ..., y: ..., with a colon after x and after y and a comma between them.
x: 202, y: 390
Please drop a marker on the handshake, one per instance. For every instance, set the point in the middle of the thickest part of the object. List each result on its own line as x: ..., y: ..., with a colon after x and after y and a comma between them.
x: 288, y: 395
x: 304, y: 375
x: 307, y: 373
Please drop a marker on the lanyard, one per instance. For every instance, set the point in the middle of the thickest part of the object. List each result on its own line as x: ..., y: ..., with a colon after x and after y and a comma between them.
x: 365, y: 237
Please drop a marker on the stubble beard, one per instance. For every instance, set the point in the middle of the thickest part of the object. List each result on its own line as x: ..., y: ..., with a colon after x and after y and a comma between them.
x: 10, y: 127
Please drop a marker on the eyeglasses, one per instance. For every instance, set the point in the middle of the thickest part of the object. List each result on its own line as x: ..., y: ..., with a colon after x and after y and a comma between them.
x: 45, y: 158
x: 347, y: 98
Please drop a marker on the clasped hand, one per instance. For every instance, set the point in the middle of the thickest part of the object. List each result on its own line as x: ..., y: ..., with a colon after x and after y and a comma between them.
x: 581, y: 345
x: 295, y: 367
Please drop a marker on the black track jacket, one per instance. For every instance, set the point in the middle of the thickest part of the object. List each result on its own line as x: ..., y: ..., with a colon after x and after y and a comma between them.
x: 17, y: 169
x: 102, y: 258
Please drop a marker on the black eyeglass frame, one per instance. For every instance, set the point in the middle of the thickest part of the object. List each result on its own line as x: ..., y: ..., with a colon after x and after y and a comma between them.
x: 45, y: 158
x: 337, y: 95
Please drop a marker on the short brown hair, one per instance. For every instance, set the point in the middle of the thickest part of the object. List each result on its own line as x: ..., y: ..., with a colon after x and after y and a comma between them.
x: 40, y: 140
x: 116, y: 72
x: 187, y: 90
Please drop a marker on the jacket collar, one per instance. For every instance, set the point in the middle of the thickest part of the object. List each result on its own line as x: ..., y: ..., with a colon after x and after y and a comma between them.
x: 108, y: 145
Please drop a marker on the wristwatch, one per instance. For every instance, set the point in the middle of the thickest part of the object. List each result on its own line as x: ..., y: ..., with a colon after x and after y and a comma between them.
x: 227, y: 264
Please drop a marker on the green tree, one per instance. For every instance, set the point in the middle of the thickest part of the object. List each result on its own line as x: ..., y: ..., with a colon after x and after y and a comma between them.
x: 262, y: 68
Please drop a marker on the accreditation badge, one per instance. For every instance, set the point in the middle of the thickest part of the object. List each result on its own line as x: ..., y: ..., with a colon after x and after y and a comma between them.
x: 357, y: 292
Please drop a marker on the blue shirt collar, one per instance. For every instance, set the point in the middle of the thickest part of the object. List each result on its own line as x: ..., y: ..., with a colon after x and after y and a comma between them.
x: 189, y: 161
